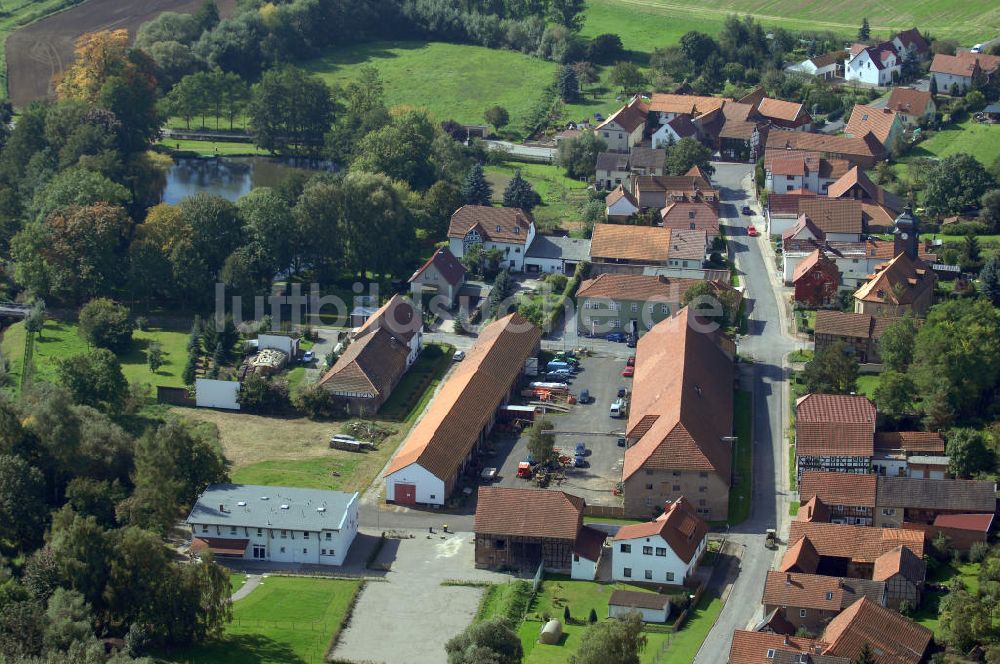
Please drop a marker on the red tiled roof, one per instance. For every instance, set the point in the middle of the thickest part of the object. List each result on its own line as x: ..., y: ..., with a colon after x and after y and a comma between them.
x: 848, y: 489
x: 814, y: 259
x: 636, y: 287
x: 679, y: 526
x: 833, y: 215
x: 789, y: 166
x: 911, y: 441
x: 447, y: 266
x: 801, y: 556
x: 496, y: 224
x: 827, y: 59
x: 683, y: 126
x: 528, y: 513
x: 682, y: 401
x: 630, y: 243
x: 902, y: 561
x: 777, y: 109
x: 752, y: 647
x: 468, y: 399
x: 803, y: 223
x: 219, y: 546
x: 826, y: 143
x: 964, y: 63
x: 862, y: 544
x: 834, y: 424
x: 978, y: 522
x: 629, y: 117
x: 810, y: 160
x: 892, y: 638
x: 693, y: 105
x: 618, y: 194
x: 909, y: 101
x: 813, y: 510
x: 812, y: 591
x: 787, y: 203
x: 681, y: 215
x: 900, y: 281
x: 865, y: 119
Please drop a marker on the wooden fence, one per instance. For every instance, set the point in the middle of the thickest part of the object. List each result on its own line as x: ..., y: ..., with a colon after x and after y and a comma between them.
x: 607, y: 511
x: 175, y: 396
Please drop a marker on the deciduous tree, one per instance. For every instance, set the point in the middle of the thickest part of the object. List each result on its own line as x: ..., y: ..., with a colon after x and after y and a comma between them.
x: 540, y: 445
x: 22, y: 506
x: 579, y: 155
x: 497, y: 116
x: 290, y: 112
x: 612, y: 642
x: 687, y: 153
x: 627, y: 76
x: 832, y: 370
x: 105, y: 324
x: 95, y: 379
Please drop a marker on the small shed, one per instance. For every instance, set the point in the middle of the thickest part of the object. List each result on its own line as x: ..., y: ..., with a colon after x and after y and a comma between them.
x: 654, y: 607
x: 551, y: 633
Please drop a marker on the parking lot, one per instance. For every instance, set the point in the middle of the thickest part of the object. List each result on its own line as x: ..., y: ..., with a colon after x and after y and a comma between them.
x: 588, y: 423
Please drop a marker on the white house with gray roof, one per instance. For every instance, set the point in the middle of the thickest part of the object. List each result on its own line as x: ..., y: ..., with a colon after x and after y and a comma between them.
x: 275, y: 524
x: 554, y: 253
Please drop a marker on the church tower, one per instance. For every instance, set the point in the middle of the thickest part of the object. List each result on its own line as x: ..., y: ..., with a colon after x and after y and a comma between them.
x: 904, y: 234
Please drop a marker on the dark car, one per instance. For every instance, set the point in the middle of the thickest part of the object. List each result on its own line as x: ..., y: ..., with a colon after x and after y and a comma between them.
x: 746, y: 210
x: 622, y: 391
x: 621, y: 441
x: 585, y: 396
x: 617, y: 337
x: 630, y: 341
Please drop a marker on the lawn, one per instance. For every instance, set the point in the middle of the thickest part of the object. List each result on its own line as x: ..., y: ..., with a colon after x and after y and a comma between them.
x: 415, y: 389
x: 943, y: 573
x: 739, y: 494
x: 647, y: 24
x: 979, y: 140
x: 867, y: 384
x: 561, y: 196
x: 558, y: 592
x: 211, y: 148
x: 452, y: 81
x: 236, y: 580
x: 285, y: 619
x: 60, y: 340
x: 688, y: 640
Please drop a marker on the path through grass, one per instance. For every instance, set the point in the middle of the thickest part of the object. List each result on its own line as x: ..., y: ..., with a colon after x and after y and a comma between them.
x: 740, y: 493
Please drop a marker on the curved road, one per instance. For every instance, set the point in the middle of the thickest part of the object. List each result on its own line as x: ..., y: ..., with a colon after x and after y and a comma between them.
x: 768, y: 342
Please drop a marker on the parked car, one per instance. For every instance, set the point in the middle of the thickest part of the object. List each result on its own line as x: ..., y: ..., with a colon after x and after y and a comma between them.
x: 628, y: 372
x: 752, y: 230
x: 488, y: 475
x: 579, y: 462
x: 584, y: 396
x: 598, y: 117
x: 524, y: 470
x: 556, y: 377
x: 746, y: 210
x: 621, y: 441
x: 458, y: 356
x: 630, y: 341
x: 581, y: 449
x: 631, y: 361
x: 308, y: 357
x: 618, y: 408
x: 978, y: 48
x: 622, y: 391
x: 617, y: 337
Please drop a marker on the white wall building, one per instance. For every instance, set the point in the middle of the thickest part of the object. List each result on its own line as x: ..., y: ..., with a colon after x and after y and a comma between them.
x: 664, y: 551
x: 276, y: 524
x: 653, y: 607
x: 874, y: 65
x: 509, y: 230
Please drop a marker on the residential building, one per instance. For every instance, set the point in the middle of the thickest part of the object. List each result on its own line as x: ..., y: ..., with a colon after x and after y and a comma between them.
x: 647, y: 161
x: 620, y: 204
x: 848, y: 497
x: 274, y: 523
x: 859, y: 332
x: 680, y: 420
x: 442, y: 275
x: 509, y: 230
x: 624, y: 129
x: 377, y: 355
x: 667, y: 106
x: 882, y: 123
x: 781, y: 114
x: 443, y: 444
x: 652, y: 251
x: 957, y: 72
x: 865, y: 151
x: 892, y: 638
x: 903, y: 575
x: 913, y: 107
x: 666, y: 550
x: 793, y: 170
x: 653, y: 607
x: 816, y: 281
x: 910, y: 43
x: 897, y: 288
x: 524, y: 528
x: 740, y: 133
x: 611, y: 170
x: 811, y: 601
x: 916, y: 500
x: 826, y: 66
x: 556, y: 254
x: 655, y: 191
x: 696, y: 215
x: 673, y: 131
x: 782, y: 211
x: 879, y: 207
x: 840, y: 550
x: 876, y: 65
x: 773, y: 648
x: 840, y: 219
x: 917, y: 454
x: 834, y: 432
x: 616, y: 302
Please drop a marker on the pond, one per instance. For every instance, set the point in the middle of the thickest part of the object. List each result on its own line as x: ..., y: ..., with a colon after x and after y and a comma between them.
x: 232, y: 177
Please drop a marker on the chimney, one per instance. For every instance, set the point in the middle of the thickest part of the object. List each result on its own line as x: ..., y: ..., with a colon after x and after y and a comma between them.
x: 788, y: 578
x: 222, y: 508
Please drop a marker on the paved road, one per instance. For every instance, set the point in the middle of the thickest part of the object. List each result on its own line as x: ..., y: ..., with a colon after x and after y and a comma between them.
x: 768, y: 342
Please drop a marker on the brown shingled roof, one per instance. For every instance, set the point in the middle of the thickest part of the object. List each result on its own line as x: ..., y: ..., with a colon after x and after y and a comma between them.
x: 777, y: 109
x: 801, y: 140
x: 834, y: 424
x: 628, y: 117
x: 447, y: 265
x: 909, y: 101
x: 630, y: 243
x: 619, y: 193
x: 638, y: 600
x: 638, y: 287
x: 682, y: 401
x: 468, y: 399
x: 589, y: 543
x: 812, y: 591
x: 752, y: 647
x: 685, y: 104
x: 964, y: 63
x: 911, y: 441
x: 896, y: 639
x: 849, y: 489
x: 900, y: 281
x: 944, y: 494
x: 900, y: 560
x: 533, y: 513
x: 513, y: 223
x: 833, y: 215
x: 843, y: 324
x: 827, y: 59
x: 679, y: 526
x: 862, y: 544
x: 815, y: 258
x: 681, y: 215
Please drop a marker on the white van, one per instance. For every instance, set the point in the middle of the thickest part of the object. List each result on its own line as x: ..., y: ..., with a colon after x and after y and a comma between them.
x: 618, y: 408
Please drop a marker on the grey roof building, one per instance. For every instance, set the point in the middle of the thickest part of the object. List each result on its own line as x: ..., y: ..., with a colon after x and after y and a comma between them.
x: 551, y: 253
x: 255, y: 506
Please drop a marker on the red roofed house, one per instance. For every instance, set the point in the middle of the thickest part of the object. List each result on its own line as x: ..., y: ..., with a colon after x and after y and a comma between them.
x: 624, y: 128
x: 442, y: 275
x: 782, y: 114
x: 379, y: 353
x: 903, y: 574
x: 694, y: 216
x: 771, y: 648
x: 840, y: 550
x: 511, y: 230
x: 883, y: 123
x: 443, y: 444
x: 680, y: 420
x: 811, y: 601
x: 816, y: 280
x: 914, y: 107
x: 891, y: 638
x: 522, y: 528
x: 964, y: 530
x: 848, y: 497
x: 665, y: 550
x: 960, y: 69
x: 834, y: 432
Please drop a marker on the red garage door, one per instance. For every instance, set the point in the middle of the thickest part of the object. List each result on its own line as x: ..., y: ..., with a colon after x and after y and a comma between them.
x: 406, y: 494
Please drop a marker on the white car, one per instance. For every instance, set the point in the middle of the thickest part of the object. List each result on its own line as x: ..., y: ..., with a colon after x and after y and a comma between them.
x: 308, y: 356
x: 978, y: 48
x: 458, y: 356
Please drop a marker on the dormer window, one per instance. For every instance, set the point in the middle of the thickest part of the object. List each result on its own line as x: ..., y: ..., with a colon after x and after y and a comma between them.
x: 498, y: 228
x: 517, y: 230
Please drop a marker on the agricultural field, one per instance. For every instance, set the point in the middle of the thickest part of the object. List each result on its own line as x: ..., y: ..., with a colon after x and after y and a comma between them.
x: 60, y: 340
x: 647, y: 24
x: 42, y: 50
x: 285, y: 619
x: 17, y: 13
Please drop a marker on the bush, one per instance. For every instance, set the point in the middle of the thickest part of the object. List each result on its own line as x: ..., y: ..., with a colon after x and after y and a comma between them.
x: 978, y: 552
x: 316, y: 403
x: 557, y: 282
x: 264, y: 396
x: 105, y: 324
